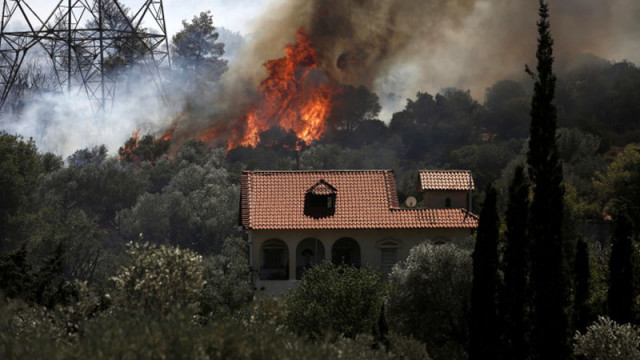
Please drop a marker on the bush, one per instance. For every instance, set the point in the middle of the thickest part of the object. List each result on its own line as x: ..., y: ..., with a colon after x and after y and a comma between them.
x: 227, y: 274
x: 343, y: 299
x: 607, y: 340
x: 160, y: 280
x: 429, y: 298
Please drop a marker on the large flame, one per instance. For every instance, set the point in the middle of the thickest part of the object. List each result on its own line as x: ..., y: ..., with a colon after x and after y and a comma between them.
x: 295, y: 95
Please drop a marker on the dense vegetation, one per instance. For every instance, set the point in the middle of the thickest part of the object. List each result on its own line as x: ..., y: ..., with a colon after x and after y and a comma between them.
x: 138, y: 255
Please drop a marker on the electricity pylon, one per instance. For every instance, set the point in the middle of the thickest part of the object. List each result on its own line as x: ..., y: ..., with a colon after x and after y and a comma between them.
x: 90, y: 43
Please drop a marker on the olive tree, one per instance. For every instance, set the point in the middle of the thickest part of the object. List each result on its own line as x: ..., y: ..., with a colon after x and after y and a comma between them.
x: 429, y: 297
x: 607, y: 340
x: 342, y: 299
x: 159, y: 280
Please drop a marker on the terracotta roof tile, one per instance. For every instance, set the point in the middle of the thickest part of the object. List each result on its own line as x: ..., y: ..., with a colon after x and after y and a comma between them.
x: 365, y: 199
x: 322, y: 188
x: 446, y: 180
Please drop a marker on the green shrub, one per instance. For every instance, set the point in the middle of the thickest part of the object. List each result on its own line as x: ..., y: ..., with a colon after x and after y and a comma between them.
x: 429, y: 298
x: 607, y: 340
x: 160, y: 280
x: 228, y: 285
x: 343, y: 299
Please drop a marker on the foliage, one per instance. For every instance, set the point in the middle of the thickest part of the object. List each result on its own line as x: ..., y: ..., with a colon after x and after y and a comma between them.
x: 43, y: 285
x: 599, y: 256
x: 148, y: 148
x: 429, y: 298
x: 607, y: 340
x: 516, y: 265
x: 580, y: 153
x: 583, y: 313
x: 342, y: 299
x: 135, y: 335
x: 507, y: 104
x: 227, y: 275
x: 98, y: 186
x: 487, y: 159
x: 433, y: 127
x: 621, y: 291
x: 550, y: 332
x: 159, y: 280
x: 196, y: 210
x: 353, y: 107
x: 484, y: 329
x: 195, y: 50
x: 20, y: 168
x: 620, y: 185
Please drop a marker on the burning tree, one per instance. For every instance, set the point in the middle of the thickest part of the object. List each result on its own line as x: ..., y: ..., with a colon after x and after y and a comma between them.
x: 295, y: 95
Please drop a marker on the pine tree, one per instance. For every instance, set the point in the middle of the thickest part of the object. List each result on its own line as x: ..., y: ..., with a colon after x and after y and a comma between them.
x: 582, y: 309
x: 620, y: 295
x: 514, y: 301
x: 550, y: 331
x: 484, y: 329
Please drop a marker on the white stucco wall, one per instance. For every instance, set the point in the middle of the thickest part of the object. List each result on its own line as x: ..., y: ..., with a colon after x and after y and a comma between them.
x: 368, y: 241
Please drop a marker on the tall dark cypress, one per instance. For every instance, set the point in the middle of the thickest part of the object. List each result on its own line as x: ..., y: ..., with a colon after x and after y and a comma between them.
x: 550, y: 333
x: 484, y: 329
x: 582, y: 312
x: 514, y: 301
x: 620, y: 295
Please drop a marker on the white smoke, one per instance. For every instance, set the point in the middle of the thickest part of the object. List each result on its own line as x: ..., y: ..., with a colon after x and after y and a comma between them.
x: 63, y: 123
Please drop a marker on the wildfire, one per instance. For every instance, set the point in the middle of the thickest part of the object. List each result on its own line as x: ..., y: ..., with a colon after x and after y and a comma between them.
x: 130, y: 146
x: 295, y: 95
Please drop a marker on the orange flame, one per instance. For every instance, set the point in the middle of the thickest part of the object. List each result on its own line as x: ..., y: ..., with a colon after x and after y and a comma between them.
x: 294, y: 95
x: 130, y: 145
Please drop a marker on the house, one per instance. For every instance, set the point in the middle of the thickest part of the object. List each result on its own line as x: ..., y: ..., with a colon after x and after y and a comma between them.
x: 442, y: 189
x: 296, y: 219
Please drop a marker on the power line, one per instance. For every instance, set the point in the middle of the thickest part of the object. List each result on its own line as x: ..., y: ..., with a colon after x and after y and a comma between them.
x: 89, y: 46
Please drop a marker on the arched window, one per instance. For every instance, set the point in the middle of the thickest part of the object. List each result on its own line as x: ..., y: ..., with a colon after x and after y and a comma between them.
x: 274, y: 260
x: 346, y: 251
x: 309, y: 252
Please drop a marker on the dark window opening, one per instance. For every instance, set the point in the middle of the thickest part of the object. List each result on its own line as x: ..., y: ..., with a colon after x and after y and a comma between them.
x: 346, y: 251
x: 274, y: 260
x: 320, y: 200
x: 319, y: 206
x: 447, y: 202
x: 309, y: 253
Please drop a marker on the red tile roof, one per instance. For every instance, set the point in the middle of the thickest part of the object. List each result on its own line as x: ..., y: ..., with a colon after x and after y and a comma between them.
x: 446, y: 180
x: 365, y: 199
x: 322, y: 188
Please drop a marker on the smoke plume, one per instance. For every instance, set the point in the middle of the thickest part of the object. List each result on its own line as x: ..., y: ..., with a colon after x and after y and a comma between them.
x: 395, y: 48
x: 399, y: 47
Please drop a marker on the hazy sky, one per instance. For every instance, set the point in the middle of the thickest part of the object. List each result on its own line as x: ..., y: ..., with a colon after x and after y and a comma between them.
x: 422, y: 45
x: 236, y: 15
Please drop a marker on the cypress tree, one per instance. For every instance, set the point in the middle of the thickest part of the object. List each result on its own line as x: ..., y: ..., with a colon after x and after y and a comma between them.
x: 550, y: 331
x: 582, y: 310
x: 484, y: 330
x: 620, y: 295
x: 515, y: 293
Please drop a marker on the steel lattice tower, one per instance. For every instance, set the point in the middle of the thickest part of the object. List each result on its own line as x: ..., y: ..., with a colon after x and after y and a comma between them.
x: 90, y: 43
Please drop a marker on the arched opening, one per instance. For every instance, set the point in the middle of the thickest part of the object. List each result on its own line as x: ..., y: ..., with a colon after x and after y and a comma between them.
x: 274, y: 260
x: 309, y: 252
x: 346, y: 251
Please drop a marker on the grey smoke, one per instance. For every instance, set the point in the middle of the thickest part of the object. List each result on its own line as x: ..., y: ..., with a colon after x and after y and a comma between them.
x: 394, y: 47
